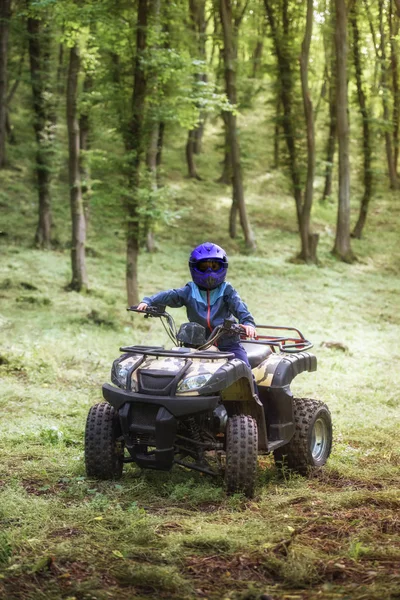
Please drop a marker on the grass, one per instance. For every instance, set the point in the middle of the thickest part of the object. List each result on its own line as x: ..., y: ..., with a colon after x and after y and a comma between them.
x: 177, y: 535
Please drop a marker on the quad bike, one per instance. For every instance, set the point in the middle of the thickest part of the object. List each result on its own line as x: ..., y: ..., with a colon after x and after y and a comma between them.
x: 198, y: 407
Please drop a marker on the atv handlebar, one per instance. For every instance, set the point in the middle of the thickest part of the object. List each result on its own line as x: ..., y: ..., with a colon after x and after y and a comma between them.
x: 150, y: 311
x: 289, y: 343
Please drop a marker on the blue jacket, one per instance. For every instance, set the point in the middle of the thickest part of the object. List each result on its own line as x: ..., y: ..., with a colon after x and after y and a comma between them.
x: 206, y: 307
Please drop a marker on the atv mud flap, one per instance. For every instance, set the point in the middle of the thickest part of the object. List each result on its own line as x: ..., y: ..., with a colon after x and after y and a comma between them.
x: 155, y: 418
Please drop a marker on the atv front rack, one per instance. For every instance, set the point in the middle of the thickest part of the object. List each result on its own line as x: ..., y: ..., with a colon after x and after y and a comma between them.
x: 178, y: 353
x: 289, y: 343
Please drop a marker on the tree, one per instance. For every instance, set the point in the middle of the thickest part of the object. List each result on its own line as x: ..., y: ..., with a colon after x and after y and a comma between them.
x: 366, y: 120
x: 78, y: 259
x: 390, y: 156
x: 5, y: 14
x: 198, y: 23
x: 309, y: 241
x: 39, y: 41
x: 342, y: 247
x: 284, y: 41
x: 394, y: 29
x: 330, y: 73
x: 134, y: 143
x: 230, y: 26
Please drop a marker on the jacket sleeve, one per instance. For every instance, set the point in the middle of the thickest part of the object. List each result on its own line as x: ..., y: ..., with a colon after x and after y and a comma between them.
x: 174, y: 298
x: 238, y: 308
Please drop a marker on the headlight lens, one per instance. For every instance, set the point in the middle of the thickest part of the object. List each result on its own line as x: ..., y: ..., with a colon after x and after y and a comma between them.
x: 193, y: 383
x: 121, y: 369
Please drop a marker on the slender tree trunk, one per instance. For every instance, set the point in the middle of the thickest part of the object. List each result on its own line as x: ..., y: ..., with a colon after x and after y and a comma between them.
x: 226, y: 175
x: 190, y: 152
x: 5, y: 14
x: 78, y: 259
x: 38, y: 59
x: 367, y: 150
x: 309, y: 240
x: 286, y: 94
x: 160, y: 144
x: 197, y: 17
x: 151, y: 163
x: 134, y: 142
x: 257, y: 56
x: 230, y: 81
x: 385, y: 102
x: 331, y: 141
x: 394, y: 29
x: 277, y: 128
x: 10, y: 131
x: 84, y: 145
x: 342, y: 247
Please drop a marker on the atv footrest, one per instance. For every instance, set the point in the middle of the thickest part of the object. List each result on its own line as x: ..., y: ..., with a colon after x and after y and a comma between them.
x: 276, y: 444
x: 158, y: 459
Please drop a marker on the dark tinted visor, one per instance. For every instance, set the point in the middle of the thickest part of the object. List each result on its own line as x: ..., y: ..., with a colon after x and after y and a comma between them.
x: 213, y: 265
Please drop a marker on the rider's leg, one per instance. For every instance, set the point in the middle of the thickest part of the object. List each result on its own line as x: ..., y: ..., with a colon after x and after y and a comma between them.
x: 237, y: 349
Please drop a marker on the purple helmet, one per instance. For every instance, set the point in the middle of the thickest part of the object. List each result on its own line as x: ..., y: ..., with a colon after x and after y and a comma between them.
x: 208, y: 265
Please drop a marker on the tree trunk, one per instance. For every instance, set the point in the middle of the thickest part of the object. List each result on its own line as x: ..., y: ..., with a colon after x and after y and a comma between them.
x: 151, y: 163
x: 367, y: 150
x: 160, y: 144
x: 394, y: 30
x: 257, y: 57
x: 10, y: 130
x: 84, y: 146
x: 342, y: 247
x: 277, y: 132
x: 226, y: 175
x: 39, y: 43
x: 197, y: 16
x: 385, y: 102
x: 331, y: 141
x: 230, y: 54
x: 190, y: 152
x: 309, y: 240
x: 134, y: 143
x: 286, y: 94
x: 78, y: 259
x: 5, y: 14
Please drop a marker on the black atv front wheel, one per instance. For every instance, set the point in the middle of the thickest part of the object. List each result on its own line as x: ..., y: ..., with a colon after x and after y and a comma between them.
x: 311, y: 443
x: 241, y: 454
x: 104, y: 448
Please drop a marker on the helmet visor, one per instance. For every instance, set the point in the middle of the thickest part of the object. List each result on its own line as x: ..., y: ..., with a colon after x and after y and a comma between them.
x: 212, y: 265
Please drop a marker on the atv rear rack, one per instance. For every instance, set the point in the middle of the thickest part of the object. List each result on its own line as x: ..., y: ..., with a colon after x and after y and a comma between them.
x: 288, y: 343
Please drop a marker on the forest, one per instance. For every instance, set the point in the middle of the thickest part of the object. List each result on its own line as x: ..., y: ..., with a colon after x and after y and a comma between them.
x: 130, y: 132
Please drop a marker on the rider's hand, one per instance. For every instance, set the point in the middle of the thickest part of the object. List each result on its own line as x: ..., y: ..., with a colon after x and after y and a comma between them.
x: 141, y: 306
x: 250, y: 331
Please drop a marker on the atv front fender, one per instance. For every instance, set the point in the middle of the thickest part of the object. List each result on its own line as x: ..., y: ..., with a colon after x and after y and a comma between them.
x: 273, y: 377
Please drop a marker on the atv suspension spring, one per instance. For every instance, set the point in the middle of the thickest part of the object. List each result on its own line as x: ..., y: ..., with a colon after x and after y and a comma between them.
x: 194, y: 430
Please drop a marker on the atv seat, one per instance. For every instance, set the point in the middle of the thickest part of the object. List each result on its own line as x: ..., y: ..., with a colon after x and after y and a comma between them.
x: 256, y: 353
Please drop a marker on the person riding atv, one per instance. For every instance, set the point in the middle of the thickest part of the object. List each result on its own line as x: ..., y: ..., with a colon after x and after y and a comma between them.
x: 208, y: 298
x: 195, y: 405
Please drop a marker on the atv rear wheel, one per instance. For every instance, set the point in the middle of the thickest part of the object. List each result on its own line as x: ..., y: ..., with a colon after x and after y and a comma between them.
x: 311, y: 443
x: 104, y: 448
x: 241, y: 454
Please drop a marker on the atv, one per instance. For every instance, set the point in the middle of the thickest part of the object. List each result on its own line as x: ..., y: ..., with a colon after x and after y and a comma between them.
x: 204, y: 409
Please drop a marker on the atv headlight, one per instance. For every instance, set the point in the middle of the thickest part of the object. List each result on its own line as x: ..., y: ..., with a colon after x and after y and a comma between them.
x: 193, y: 383
x: 121, y: 369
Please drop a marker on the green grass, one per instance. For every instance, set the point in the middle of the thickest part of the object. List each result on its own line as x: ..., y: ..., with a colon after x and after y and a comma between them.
x: 176, y: 535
